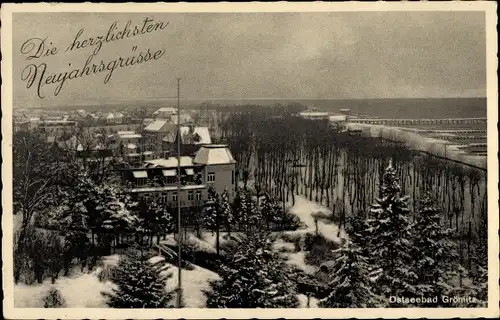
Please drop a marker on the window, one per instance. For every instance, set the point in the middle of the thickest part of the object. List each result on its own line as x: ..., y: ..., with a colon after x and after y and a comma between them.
x: 164, y: 198
x: 190, y: 196
x: 141, y: 182
x: 171, y: 180
x: 198, y: 195
x: 174, y: 196
x: 232, y: 177
x: 211, y: 177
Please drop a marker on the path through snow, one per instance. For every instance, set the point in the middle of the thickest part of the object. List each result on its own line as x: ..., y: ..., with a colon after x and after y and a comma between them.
x: 304, y: 209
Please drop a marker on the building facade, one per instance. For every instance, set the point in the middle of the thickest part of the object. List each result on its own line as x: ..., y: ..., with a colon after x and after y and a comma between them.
x: 213, y: 166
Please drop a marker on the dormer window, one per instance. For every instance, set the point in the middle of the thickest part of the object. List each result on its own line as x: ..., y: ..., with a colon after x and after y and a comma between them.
x: 140, y: 177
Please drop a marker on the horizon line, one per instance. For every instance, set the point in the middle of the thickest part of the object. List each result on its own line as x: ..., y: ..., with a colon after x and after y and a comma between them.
x: 254, y: 98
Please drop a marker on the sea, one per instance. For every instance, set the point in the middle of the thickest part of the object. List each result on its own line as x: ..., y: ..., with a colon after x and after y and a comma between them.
x: 433, y: 108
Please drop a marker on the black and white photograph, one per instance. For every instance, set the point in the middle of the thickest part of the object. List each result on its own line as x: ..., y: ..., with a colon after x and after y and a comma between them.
x: 179, y: 157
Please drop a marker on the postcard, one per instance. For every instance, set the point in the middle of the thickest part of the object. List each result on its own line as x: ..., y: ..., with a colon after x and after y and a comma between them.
x: 250, y: 160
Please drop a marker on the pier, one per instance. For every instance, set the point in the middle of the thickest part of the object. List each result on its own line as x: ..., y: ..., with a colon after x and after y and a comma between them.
x: 396, y: 122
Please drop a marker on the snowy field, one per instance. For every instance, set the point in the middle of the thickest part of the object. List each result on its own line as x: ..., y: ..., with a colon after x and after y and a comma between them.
x: 88, y: 285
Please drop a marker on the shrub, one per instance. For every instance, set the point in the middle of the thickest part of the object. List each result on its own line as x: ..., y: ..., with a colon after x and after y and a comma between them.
x: 319, y: 249
x: 54, y: 299
x: 41, y: 254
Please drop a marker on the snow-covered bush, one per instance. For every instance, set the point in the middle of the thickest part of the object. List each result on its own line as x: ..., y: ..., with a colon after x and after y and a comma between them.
x: 54, y: 299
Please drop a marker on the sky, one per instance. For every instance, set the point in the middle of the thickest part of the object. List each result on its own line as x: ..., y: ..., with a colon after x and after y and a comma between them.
x: 336, y: 55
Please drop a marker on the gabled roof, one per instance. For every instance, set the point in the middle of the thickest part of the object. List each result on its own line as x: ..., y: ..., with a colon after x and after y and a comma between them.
x: 214, y: 154
x: 157, y: 126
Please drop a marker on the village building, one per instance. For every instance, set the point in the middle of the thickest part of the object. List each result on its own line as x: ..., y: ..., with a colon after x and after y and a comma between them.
x: 213, y: 166
x: 114, y: 118
x: 154, y: 134
x: 132, y: 148
x: 184, y: 118
x: 164, y: 113
x: 192, y: 138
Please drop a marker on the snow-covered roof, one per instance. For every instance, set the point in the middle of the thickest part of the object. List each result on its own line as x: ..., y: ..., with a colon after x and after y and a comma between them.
x: 156, y: 126
x: 170, y: 162
x: 131, y: 136
x: 165, y: 109
x: 202, y: 132
x: 214, y: 154
x: 169, y: 173
x: 121, y: 133
x: 119, y: 115
x: 338, y: 118
x: 140, y: 174
x: 131, y: 146
x: 110, y: 116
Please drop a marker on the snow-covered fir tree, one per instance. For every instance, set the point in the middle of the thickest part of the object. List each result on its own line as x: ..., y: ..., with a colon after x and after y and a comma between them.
x: 211, y: 211
x: 253, y: 277
x: 480, y: 292
x: 93, y: 207
x: 267, y: 210
x: 359, y: 233
x: 434, y: 252
x: 154, y: 217
x: 240, y: 210
x: 226, y: 211
x: 254, y: 217
x: 389, y: 231
x: 140, y: 284
x: 350, y: 285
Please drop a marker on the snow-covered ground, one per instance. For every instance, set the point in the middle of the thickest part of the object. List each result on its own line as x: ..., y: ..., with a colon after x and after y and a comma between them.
x: 305, y: 209
x: 81, y: 290
x: 313, y: 302
x: 193, y: 283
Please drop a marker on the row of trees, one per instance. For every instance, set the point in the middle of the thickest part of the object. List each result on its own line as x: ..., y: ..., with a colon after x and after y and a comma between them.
x: 286, y: 155
x: 245, y: 214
